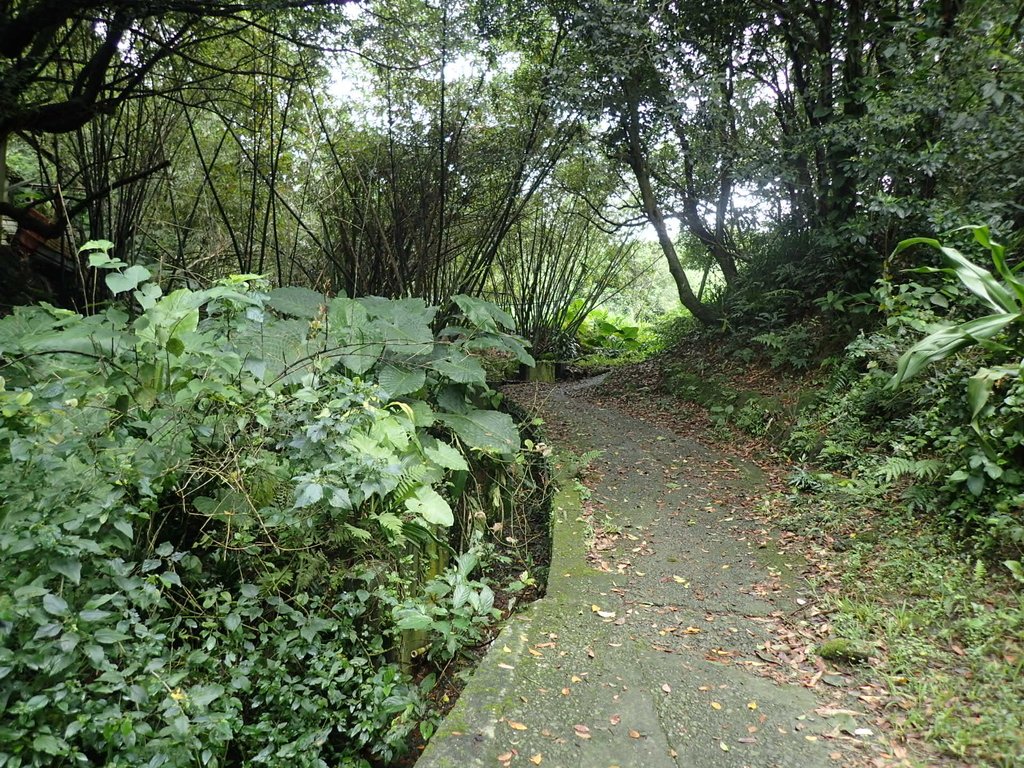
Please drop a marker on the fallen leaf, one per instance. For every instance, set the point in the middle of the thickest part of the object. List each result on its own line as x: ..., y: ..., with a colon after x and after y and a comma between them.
x: 715, y: 705
x: 575, y: 679
x: 666, y: 688
x: 537, y: 759
x: 606, y: 614
x: 691, y: 631
x: 723, y: 746
x: 506, y: 757
x: 506, y: 649
x: 516, y: 726
x: 751, y: 705
x: 615, y: 719
x: 565, y: 691
x: 634, y: 734
x: 534, y: 653
x: 582, y: 731
x: 505, y: 666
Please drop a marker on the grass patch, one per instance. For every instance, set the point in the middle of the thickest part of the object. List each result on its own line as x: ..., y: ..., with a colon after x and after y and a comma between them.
x: 946, y: 632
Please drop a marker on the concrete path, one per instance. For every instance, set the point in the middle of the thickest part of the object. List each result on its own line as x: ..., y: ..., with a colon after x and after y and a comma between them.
x: 641, y: 652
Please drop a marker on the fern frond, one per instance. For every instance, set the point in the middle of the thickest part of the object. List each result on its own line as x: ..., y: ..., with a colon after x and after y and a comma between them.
x: 896, y: 467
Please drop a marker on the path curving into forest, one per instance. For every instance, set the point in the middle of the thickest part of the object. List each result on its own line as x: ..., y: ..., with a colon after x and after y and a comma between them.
x: 645, y: 650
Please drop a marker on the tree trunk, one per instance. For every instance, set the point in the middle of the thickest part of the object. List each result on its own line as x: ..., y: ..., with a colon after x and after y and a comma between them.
x: 630, y: 123
x: 675, y: 267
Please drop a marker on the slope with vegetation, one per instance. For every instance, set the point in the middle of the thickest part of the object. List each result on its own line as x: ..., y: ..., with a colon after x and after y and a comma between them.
x: 227, y: 521
x: 901, y: 479
x: 279, y: 360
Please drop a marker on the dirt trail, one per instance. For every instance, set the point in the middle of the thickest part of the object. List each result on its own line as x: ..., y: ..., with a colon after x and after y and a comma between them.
x: 645, y: 650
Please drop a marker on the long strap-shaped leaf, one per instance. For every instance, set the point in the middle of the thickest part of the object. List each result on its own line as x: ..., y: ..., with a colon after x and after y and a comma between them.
x: 941, y: 344
x: 978, y: 281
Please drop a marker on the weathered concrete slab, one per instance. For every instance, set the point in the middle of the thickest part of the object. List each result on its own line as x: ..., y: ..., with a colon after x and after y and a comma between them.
x: 639, y: 658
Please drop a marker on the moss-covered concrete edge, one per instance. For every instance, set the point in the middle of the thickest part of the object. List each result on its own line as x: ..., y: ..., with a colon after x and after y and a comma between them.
x: 484, y: 697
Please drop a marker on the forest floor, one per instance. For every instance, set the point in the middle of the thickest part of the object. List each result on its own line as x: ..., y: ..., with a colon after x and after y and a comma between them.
x: 678, y: 628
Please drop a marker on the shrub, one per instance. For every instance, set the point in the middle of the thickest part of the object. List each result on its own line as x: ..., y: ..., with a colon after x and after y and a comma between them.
x: 948, y: 426
x: 212, y: 499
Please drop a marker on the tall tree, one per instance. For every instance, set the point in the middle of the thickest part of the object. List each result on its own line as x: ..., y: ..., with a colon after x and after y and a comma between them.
x: 63, y: 63
x: 660, y: 83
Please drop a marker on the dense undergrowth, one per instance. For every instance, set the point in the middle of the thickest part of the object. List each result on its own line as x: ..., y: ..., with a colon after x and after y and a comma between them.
x: 234, y: 519
x: 906, y: 450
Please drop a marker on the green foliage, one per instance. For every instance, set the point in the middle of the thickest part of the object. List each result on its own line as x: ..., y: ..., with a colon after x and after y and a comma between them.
x: 1005, y: 300
x: 946, y: 431
x: 210, y: 498
x: 611, y: 334
x: 793, y: 347
x: 455, y: 609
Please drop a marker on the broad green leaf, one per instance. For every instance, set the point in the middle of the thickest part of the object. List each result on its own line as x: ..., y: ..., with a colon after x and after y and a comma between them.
x: 460, y: 368
x: 412, y: 619
x: 101, y: 246
x: 431, y: 507
x: 490, y: 431
x: 296, y: 301
x: 444, y: 455
x: 410, y: 312
x: 148, y: 295
x: 398, y: 380
x: 504, y: 343
x: 339, y: 498
x: 352, y: 336
x: 176, y: 314
x: 175, y: 347
x: 486, y: 599
x: 109, y: 636
x: 941, y: 344
x: 403, y: 341
x: 47, y: 744
x: 979, y: 386
x: 203, y: 695
x: 282, y: 345
x: 310, y: 493
x: 54, y: 605
x: 483, y: 314
x: 460, y: 596
x: 128, y: 280
x: 978, y: 281
x: 69, y: 568
x: 423, y: 415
